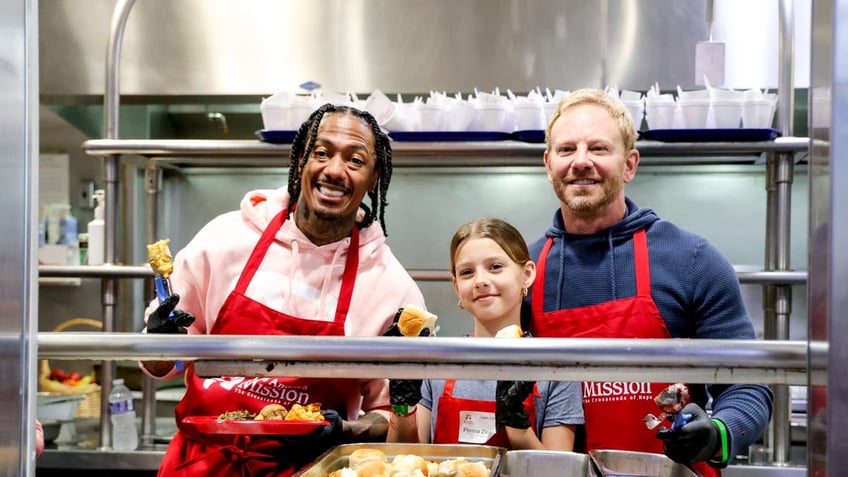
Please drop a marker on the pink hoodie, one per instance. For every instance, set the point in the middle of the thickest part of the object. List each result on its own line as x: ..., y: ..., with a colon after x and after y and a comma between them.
x: 296, y: 276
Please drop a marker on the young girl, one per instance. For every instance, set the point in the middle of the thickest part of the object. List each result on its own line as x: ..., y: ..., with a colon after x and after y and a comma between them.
x: 491, y: 271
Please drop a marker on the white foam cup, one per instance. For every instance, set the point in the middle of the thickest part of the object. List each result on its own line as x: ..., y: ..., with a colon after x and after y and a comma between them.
x: 529, y: 117
x: 404, y: 119
x: 432, y: 117
x: 758, y: 113
x: 727, y: 114
x: 695, y: 113
x: 660, y: 115
x: 490, y: 117
x: 460, y: 116
x: 636, y: 110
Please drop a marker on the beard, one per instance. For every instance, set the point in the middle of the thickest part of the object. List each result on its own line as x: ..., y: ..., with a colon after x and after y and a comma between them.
x: 589, y: 202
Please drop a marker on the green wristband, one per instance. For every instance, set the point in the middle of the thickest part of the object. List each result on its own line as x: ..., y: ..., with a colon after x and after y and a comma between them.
x: 722, y: 431
x: 401, y: 409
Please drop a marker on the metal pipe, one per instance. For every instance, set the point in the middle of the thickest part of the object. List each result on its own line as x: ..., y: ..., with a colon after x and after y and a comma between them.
x: 780, y: 438
x: 144, y: 271
x: 786, y: 68
x: 95, y: 271
x: 721, y: 361
x: 111, y: 116
x: 153, y: 184
x: 236, y: 151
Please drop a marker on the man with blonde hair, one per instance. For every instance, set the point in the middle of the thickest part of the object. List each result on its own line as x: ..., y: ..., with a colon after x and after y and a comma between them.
x: 608, y: 268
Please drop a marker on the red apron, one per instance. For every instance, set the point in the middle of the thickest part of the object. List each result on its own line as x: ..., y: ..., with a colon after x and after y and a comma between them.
x: 453, y: 411
x: 613, y: 411
x: 193, y: 454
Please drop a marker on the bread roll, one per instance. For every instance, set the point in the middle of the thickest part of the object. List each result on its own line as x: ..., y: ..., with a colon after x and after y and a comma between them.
x: 472, y: 469
x: 449, y: 468
x: 413, y: 319
x: 409, y: 463
x: 372, y: 468
x: 511, y: 331
x: 346, y: 472
x: 360, y: 457
x: 272, y: 412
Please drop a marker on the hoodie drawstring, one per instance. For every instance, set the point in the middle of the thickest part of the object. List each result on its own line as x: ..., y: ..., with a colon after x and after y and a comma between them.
x: 561, y: 277
x: 612, y: 265
x: 327, y: 276
x: 292, y: 267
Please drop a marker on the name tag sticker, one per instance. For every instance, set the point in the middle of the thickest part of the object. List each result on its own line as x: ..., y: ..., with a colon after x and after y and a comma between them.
x: 476, y: 427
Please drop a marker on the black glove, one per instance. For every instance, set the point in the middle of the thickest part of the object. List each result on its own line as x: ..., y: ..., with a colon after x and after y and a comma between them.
x: 404, y: 393
x: 329, y: 435
x: 395, y: 331
x: 509, y: 408
x: 321, y: 439
x: 168, y: 320
x: 696, y: 441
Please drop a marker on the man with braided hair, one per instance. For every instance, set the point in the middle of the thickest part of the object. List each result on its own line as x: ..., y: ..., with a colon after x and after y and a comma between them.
x: 307, y: 260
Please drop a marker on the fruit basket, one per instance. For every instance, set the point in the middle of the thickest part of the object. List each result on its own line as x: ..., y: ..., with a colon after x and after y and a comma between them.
x: 56, y: 381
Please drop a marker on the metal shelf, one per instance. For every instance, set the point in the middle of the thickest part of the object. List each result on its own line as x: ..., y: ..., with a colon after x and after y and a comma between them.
x: 243, y: 153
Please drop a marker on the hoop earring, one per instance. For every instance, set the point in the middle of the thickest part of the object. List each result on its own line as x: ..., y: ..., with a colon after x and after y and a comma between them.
x: 524, y: 291
x: 459, y: 305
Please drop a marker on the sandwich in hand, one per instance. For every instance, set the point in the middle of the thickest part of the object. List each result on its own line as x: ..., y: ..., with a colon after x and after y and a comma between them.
x: 413, y: 320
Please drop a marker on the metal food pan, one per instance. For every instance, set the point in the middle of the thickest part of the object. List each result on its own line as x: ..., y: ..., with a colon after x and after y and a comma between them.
x: 337, y: 457
x: 616, y: 463
x: 529, y: 463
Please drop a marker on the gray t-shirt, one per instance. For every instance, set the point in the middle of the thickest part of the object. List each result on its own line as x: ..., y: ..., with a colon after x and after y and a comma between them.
x: 559, y: 402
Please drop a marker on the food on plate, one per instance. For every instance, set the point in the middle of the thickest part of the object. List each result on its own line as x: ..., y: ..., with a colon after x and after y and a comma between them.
x: 159, y: 257
x: 413, y: 320
x: 310, y: 412
x: 277, y: 412
x: 511, y: 331
x: 272, y: 412
x: 372, y: 462
x: 236, y: 416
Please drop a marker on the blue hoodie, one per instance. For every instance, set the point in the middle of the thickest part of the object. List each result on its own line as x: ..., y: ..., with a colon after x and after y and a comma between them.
x: 693, y: 285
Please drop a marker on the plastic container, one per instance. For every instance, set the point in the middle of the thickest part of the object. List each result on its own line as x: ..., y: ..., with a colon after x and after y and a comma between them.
x: 96, y: 231
x: 122, y: 415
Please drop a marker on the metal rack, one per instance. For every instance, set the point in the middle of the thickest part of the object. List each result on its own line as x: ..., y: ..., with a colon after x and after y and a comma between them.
x: 251, y: 153
x: 780, y: 156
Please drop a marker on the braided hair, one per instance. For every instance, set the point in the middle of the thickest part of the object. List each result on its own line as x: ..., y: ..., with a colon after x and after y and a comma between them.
x: 302, y: 145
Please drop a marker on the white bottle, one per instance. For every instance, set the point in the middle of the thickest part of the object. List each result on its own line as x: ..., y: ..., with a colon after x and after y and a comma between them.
x: 97, y: 230
x: 122, y: 414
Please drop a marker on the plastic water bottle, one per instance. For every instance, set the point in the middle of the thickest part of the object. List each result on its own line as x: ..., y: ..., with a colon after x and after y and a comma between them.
x: 122, y: 414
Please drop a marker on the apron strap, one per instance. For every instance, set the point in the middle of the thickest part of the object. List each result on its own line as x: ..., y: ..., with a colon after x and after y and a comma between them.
x: 349, y: 276
x: 259, y: 251
x: 536, y: 301
x: 643, y: 265
x: 264, y: 243
x: 643, y: 271
x: 449, y: 384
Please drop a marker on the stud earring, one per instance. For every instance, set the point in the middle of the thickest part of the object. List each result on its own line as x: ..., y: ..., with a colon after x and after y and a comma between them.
x: 524, y: 291
x: 459, y: 305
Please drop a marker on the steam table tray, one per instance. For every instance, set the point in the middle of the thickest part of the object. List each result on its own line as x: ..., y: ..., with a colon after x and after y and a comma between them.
x: 710, y: 135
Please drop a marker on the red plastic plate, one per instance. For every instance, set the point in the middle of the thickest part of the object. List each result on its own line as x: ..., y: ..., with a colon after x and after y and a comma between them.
x: 211, y: 425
